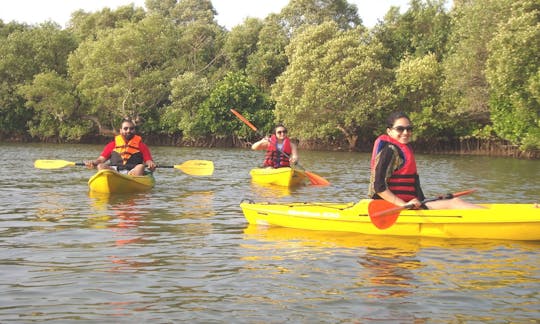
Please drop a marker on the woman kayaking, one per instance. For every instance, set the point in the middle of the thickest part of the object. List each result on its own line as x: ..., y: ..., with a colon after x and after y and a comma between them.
x: 394, y: 176
x: 280, y: 150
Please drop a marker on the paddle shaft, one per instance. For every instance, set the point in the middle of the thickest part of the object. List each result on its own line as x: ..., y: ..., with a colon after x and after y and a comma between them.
x: 411, y: 205
x: 442, y: 197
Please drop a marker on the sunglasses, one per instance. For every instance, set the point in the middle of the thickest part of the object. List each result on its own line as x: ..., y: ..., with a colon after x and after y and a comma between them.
x: 129, y: 128
x: 281, y: 132
x: 401, y: 129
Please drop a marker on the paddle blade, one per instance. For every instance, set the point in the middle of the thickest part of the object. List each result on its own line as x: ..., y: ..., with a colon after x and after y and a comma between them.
x: 52, y: 164
x: 382, y: 213
x: 316, y: 179
x: 197, y: 167
x: 463, y: 193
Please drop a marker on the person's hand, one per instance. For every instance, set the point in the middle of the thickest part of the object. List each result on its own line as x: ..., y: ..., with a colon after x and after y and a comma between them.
x: 151, y: 165
x: 90, y: 164
x: 417, y: 203
x: 293, y: 159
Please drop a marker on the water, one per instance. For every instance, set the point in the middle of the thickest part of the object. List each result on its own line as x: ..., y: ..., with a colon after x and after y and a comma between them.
x: 184, y: 252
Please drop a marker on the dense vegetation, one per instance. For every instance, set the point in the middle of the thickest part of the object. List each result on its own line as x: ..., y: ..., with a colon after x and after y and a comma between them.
x: 469, y: 72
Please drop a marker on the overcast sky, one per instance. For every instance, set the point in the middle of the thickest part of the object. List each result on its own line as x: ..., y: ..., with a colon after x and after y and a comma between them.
x: 230, y: 12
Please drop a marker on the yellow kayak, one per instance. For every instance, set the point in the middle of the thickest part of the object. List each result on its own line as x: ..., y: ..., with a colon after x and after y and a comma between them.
x: 497, y: 221
x: 285, y: 177
x: 109, y: 181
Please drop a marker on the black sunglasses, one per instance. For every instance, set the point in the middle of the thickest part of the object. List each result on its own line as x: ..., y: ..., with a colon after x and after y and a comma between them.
x: 130, y: 128
x: 401, y: 129
x: 282, y: 132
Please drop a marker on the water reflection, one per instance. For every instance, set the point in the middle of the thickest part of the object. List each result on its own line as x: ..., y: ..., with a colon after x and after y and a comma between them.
x: 179, y: 253
x: 264, y: 191
x: 120, y: 214
x: 389, y: 270
x: 387, y: 264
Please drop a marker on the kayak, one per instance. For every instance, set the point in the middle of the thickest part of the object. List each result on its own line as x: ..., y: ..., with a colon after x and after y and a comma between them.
x: 109, y: 181
x: 285, y: 177
x: 497, y: 221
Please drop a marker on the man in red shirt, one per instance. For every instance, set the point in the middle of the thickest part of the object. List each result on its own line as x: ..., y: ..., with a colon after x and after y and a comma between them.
x: 126, y: 153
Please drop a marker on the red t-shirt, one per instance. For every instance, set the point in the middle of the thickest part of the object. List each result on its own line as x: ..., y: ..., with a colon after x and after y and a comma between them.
x: 145, y: 151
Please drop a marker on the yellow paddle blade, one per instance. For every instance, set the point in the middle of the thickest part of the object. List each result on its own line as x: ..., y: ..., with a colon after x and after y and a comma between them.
x: 197, y: 167
x: 52, y: 164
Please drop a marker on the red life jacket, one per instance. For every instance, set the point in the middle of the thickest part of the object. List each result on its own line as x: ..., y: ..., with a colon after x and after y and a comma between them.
x: 275, y: 158
x: 126, y: 155
x: 404, y: 182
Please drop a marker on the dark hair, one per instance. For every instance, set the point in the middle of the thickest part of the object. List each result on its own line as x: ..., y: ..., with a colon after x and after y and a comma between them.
x: 395, y: 116
x: 128, y: 120
x: 277, y: 126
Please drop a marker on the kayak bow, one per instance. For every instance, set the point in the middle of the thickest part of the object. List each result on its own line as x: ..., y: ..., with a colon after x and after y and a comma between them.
x: 109, y: 181
x: 284, y: 177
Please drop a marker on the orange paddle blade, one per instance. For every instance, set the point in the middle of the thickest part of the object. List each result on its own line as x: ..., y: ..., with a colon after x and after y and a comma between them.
x: 316, y: 179
x: 382, y: 213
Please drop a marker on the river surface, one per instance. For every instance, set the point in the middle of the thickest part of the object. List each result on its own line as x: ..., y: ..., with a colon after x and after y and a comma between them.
x: 183, y: 251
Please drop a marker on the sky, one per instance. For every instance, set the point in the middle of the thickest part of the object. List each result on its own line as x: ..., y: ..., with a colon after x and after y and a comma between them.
x: 230, y: 12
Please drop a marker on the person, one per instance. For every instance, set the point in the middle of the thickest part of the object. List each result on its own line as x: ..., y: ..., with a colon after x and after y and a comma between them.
x: 394, y: 176
x: 280, y: 150
x: 126, y: 153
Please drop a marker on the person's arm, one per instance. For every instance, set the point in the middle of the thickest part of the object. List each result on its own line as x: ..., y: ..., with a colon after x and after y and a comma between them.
x: 293, y: 159
x: 147, y: 156
x: 103, y: 157
x: 260, y: 145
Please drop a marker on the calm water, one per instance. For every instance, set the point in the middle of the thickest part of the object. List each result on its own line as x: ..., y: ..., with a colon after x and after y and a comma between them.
x: 184, y: 252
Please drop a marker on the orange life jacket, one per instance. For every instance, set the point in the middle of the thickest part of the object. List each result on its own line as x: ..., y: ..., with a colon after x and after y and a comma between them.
x: 126, y: 155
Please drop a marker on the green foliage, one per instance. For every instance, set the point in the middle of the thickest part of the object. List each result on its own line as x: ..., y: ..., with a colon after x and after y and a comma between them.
x: 88, y: 25
x: 24, y: 53
x: 303, y: 13
x: 56, y: 108
x: 418, y: 81
x: 422, y: 29
x: 189, y: 11
x: 126, y: 72
x: 234, y: 91
x: 471, y: 72
x: 334, y: 84
x: 269, y: 60
x: 466, y: 90
x: 188, y: 92
x: 513, y: 73
x: 241, y: 42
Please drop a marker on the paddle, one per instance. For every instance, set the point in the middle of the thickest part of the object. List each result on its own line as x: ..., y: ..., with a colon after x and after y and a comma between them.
x: 313, y: 178
x: 55, y: 164
x: 384, y: 214
x: 194, y: 167
x: 191, y: 167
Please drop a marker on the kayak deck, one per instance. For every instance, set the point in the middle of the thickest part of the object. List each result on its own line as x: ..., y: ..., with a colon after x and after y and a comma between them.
x: 109, y: 181
x: 497, y: 221
x: 285, y: 177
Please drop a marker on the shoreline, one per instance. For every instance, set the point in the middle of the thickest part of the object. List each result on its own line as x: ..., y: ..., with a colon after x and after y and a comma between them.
x: 474, y: 147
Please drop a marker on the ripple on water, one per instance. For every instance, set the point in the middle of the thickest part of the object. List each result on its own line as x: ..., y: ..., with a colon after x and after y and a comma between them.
x: 183, y: 251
